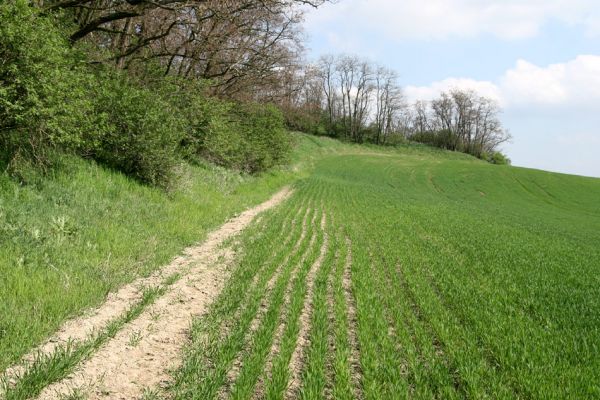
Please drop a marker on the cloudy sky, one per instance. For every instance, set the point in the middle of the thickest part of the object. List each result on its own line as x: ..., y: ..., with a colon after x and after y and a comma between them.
x: 540, y: 59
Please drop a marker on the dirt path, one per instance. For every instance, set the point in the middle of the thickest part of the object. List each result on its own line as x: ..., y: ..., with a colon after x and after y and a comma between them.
x: 141, y: 354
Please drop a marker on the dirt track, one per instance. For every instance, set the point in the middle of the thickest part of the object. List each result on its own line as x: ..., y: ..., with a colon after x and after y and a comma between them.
x: 144, y: 350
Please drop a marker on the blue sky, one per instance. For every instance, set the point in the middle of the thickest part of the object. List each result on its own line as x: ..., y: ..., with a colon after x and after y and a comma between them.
x: 539, y: 59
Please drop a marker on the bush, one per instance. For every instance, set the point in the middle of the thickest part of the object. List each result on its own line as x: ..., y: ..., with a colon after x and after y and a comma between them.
x: 268, y: 143
x: 136, y: 131
x: 247, y: 137
x: 443, y: 139
x: 42, y: 104
x: 498, y: 158
x: 305, y: 120
x: 52, y: 100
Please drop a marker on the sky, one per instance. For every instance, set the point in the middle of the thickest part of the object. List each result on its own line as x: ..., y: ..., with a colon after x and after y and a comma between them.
x: 540, y: 59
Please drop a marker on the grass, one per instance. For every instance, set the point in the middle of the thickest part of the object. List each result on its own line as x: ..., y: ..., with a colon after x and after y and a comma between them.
x: 441, y: 276
x: 467, y: 280
x: 68, y: 239
x: 50, y: 368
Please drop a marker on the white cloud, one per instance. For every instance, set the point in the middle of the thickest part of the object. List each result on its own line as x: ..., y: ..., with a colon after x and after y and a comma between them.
x: 574, y: 84
x: 441, y: 19
x: 528, y: 83
x: 484, y: 88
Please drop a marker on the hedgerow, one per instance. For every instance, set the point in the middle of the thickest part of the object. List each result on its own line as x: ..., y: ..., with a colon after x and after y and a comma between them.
x: 248, y: 137
x: 52, y: 99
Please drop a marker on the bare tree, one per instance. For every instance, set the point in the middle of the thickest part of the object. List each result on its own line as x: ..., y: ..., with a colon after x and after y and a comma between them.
x: 355, y: 80
x: 388, y: 103
x: 460, y: 120
x: 238, y: 45
x: 326, y: 74
x: 357, y: 95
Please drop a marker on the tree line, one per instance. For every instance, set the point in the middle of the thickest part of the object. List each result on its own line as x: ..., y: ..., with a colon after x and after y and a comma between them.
x: 144, y: 85
x: 354, y: 99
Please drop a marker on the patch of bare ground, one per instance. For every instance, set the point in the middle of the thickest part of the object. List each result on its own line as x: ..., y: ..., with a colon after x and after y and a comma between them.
x: 260, y: 385
x: 237, y: 365
x: 145, y: 349
x: 352, y: 322
x: 297, y: 360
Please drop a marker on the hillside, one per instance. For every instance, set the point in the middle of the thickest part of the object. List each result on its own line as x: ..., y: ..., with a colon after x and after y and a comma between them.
x: 389, y: 272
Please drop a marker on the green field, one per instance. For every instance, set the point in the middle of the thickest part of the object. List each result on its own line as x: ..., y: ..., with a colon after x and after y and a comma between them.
x: 411, y: 274
x: 390, y: 273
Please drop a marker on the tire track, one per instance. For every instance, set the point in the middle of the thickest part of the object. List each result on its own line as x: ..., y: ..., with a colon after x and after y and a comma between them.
x: 297, y: 359
x: 234, y: 372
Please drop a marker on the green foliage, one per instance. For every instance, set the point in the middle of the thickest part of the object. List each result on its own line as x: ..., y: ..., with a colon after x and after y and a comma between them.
x: 136, y: 131
x: 305, y: 120
x: 246, y: 137
x: 499, y: 158
x: 444, y: 139
x: 264, y: 132
x: 52, y: 99
x: 43, y: 103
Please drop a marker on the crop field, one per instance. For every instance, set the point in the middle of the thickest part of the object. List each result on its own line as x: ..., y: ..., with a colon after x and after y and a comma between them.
x: 414, y: 274
x: 404, y: 273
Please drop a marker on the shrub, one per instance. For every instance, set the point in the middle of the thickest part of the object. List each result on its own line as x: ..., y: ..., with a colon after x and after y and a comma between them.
x: 263, y: 128
x: 137, y: 132
x: 52, y: 99
x: 499, y: 158
x: 220, y: 138
x: 246, y: 137
x: 41, y: 101
x: 305, y: 120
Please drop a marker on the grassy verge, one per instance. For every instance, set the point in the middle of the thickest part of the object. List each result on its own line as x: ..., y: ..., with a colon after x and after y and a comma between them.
x: 68, y: 239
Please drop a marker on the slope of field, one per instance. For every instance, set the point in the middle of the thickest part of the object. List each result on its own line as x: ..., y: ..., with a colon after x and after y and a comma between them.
x: 409, y: 274
x: 388, y: 273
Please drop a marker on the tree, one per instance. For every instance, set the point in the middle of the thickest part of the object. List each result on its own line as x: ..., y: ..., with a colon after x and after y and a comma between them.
x: 238, y: 45
x: 389, y: 103
x: 460, y: 120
